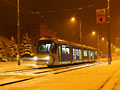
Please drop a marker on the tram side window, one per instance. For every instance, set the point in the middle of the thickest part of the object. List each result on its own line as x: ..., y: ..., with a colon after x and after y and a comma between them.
x: 65, y: 54
x: 65, y: 49
x: 85, y: 53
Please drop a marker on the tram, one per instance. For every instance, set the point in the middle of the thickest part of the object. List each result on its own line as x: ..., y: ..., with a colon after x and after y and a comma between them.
x: 53, y: 51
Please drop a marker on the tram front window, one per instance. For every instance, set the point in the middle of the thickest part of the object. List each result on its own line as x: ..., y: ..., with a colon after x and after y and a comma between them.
x: 44, y: 46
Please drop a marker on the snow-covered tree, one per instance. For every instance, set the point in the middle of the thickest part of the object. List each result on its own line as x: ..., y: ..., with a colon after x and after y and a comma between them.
x: 2, y: 53
x: 26, y: 47
x: 12, y: 48
x: 3, y: 50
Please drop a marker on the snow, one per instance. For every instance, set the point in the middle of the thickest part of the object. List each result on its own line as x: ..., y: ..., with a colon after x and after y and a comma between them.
x: 8, y: 66
x: 99, y: 77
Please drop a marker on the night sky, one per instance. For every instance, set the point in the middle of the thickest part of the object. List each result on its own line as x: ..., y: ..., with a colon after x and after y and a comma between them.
x: 56, y: 15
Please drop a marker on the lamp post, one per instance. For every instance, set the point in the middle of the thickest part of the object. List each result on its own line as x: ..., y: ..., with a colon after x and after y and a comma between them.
x: 80, y: 32
x: 93, y: 33
x: 18, y: 32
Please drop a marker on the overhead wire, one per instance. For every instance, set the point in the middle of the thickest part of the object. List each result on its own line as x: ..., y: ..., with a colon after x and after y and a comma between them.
x: 15, y: 5
x: 44, y: 12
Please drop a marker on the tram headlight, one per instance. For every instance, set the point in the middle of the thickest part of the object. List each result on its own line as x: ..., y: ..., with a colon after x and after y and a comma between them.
x: 35, y: 57
x: 47, y: 57
x: 47, y: 62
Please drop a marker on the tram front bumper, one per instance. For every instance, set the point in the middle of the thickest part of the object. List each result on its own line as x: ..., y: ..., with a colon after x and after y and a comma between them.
x: 43, y: 59
x: 42, y: 62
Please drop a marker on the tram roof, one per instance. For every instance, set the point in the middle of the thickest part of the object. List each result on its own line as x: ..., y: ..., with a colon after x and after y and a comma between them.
x: 62, y: 41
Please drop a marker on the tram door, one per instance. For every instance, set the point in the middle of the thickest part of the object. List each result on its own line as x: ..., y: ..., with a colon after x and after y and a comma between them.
x: 91, y: 54
x: 64, y: 53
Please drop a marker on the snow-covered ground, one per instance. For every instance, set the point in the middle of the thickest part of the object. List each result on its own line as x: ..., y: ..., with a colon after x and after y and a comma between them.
x: 8, y: 66
x: 98, y: 77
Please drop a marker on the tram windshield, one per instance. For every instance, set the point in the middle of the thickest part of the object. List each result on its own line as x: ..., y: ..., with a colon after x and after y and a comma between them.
x: 45, y: 46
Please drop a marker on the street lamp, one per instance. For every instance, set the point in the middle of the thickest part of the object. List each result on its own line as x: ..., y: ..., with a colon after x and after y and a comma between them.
x: 73, y: 19
x: 103, y: 38
x: 80, y: 32
x: 93, y: 33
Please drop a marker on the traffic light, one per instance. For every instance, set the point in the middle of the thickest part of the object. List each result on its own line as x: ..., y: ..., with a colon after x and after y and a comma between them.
x: 101, y: 19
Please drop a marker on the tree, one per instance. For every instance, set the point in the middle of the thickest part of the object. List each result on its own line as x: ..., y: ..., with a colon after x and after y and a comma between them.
x: 2, y: 52
x: 12, y: 48
x: 26, y: 47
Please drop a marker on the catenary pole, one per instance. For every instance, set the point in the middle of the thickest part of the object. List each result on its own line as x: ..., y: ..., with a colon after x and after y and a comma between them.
x: 109, y: 32
x: 18, y: 32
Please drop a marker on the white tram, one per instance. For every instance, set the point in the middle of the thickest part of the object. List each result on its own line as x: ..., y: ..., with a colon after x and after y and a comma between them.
x: 53, y: 51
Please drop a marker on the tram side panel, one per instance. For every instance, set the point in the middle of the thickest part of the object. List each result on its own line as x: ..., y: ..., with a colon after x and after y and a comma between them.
x: 72, y: 54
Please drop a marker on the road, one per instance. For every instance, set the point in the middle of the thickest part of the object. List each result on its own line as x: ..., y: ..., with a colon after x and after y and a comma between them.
x: 9, y: 77
x: 88, y: 76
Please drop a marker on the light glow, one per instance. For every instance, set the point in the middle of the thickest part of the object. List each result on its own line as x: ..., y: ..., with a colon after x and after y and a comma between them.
x: 73, y: 19
x: 35, y: 58
x: 93, y: 33
x: 47, y: 57
x: 103, y: 38
x: 47, y: 62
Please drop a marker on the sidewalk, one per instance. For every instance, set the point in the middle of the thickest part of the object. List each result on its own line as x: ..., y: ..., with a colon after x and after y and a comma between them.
x: 8, y: 66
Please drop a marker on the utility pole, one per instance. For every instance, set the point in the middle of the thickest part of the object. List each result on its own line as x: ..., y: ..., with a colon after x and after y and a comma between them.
x: 98, y: 44
x: 18, y: 32
x: 80, y: 33
x: 109, y: 33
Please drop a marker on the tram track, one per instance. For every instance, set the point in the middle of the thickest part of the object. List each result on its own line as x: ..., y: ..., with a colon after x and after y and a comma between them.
x: 16, y: 81
x: 55, y: 71
x: 22, y: 70
x: 37, y: 71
